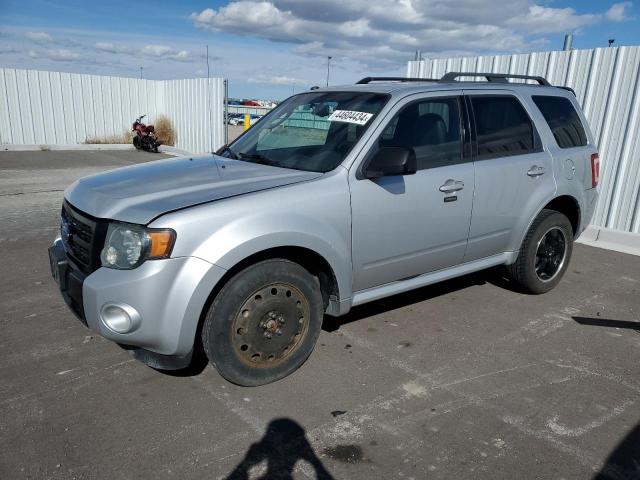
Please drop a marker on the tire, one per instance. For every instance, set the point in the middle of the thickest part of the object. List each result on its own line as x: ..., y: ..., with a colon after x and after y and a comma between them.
x: 264, y: 322
x: 136, y: 142
x: 540, y: 266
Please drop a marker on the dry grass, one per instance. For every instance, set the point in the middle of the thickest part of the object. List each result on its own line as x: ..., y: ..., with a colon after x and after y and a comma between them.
x: 165, y: 132
x: 125, y: 137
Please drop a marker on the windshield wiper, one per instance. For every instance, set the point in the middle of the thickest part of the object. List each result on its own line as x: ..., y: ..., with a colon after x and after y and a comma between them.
x: 232, y: 154
x: 257, y: 158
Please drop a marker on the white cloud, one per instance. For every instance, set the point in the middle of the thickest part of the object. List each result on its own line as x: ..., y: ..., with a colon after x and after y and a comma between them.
x: 4, y: 49
x: 381, y: 32
x: 162, y: 51
x: 62, y: 55
x: 618, y: 11
x: 551, y: 20
x: 39, y: 37
x: 181, y: 56
x: 56, y: 54
x: 156, y: 50
x: 277, y: 80
x: 111, y: 48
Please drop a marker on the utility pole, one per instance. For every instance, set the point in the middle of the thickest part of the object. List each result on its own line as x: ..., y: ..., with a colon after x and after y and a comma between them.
x: 328, y: 62
x: 207, y: 61
x: 209, y: 105
x: 140, y: 73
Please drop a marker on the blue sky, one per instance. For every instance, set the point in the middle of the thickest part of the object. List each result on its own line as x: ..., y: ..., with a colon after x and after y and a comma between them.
x: 270, y: 49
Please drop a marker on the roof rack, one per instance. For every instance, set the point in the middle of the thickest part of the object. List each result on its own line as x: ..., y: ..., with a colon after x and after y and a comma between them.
x: 492, y: 77
x: 366, y: 80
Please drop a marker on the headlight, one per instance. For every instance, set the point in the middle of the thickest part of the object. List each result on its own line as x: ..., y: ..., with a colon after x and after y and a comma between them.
x: 128, y: 245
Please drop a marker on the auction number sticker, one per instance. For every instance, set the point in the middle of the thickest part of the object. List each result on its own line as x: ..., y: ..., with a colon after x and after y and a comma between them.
x: 350, y: 116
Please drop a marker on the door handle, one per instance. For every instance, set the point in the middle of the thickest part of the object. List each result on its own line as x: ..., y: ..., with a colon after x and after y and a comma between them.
x: 536, y: 171
x: 451, y: 186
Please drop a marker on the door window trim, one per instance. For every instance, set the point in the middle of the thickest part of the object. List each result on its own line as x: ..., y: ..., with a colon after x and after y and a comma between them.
x: 464, y: 130
x: 537, y: 141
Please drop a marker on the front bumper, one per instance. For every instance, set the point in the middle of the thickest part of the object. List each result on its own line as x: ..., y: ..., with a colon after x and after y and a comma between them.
x: 169, y: 295
x: 68, y: 277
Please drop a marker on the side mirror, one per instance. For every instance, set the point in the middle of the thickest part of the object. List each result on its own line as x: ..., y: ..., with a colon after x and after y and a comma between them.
x: 390, y: 161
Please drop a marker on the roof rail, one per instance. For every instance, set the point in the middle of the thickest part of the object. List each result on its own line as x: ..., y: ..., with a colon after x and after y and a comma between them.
x: 492, y: 77
x: 366, y: 80
x: 568, y: 89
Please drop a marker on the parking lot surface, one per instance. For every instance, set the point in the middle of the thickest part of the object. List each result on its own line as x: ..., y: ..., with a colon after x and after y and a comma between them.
x: 465, y: 379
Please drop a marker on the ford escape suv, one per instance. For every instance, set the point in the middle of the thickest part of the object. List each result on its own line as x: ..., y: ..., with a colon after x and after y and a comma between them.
x: 337, y: 197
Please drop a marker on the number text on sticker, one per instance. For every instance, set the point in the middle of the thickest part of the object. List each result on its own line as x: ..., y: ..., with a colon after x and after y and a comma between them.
x: 350, y: 116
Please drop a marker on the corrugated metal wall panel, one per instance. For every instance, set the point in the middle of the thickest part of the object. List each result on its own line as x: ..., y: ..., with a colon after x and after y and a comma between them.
x: 49, y: 108
x: 606, y: 81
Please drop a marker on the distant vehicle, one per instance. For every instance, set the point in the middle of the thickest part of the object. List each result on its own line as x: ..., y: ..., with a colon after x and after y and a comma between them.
x: 251, y: 103
x: 392, y: 185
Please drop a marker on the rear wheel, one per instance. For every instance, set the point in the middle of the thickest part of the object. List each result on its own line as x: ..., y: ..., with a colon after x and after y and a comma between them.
x: 264, y: 323
x: 545, y: 253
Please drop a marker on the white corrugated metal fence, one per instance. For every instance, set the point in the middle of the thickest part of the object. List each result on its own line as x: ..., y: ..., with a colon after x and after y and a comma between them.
x: 54, y: 108
x: 606, y: 82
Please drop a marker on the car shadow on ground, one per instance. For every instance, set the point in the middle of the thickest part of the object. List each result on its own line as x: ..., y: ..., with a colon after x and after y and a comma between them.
x: 604, y: 322
x: 624, y: 461
x: 275, y: 455
x: 496, y: 276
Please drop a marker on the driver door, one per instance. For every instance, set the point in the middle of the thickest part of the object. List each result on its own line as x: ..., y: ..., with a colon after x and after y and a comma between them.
x: 407, y: 225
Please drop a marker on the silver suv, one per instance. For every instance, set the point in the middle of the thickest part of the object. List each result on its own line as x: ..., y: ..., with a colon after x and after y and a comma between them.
x: 337, y: 197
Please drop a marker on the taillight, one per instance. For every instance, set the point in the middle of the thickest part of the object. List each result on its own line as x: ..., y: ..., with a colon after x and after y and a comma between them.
x: 595, y: 169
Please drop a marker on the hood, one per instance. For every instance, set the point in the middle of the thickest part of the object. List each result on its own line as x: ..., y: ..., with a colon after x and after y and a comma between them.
x: 140, y: 193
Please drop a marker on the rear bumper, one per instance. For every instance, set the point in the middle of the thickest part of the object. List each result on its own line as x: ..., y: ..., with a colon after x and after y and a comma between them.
x: 168, y: 295
x: 588, y: 209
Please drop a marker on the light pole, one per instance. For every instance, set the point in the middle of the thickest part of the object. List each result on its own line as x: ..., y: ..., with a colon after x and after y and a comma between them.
x: 140, y: 73
x: 328, y: 62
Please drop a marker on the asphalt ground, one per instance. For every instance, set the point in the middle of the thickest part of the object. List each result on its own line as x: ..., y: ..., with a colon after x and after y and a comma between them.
x: 465, y: 379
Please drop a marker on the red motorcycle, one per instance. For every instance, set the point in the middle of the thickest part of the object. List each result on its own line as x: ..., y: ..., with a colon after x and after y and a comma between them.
x: 145, y: 137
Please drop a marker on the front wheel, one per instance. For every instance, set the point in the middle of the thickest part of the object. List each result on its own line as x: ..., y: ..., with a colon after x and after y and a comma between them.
x: 137, y: 143
x: 545, y: 253
x: 264, y: 322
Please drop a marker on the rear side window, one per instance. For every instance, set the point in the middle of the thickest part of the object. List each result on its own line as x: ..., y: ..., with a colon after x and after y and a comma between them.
x: 503, y: 127
x: 563, y: 121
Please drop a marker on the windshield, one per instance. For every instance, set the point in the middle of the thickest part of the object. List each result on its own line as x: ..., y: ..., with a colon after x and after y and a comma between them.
x: 313, y: 131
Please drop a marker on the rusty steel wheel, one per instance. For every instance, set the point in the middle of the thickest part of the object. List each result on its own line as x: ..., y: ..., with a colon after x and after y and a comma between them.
x: 264, y: 322
x: 270, y: 324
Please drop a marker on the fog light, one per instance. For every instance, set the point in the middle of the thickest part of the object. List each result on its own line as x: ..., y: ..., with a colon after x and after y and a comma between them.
x: 119, y: 317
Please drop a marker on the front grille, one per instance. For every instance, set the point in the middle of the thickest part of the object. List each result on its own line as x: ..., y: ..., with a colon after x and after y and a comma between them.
x: 82, y: 237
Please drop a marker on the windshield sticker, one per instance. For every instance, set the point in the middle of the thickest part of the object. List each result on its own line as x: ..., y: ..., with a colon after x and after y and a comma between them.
x: 350, y: 116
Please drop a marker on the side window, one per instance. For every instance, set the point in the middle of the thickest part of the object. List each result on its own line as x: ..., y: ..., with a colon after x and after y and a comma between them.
x: 431, y: 128
x: 563, y: 120
x: 503, y: 127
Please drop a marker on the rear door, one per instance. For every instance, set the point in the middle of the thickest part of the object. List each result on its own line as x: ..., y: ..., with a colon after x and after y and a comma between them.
x: 513, y: 172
